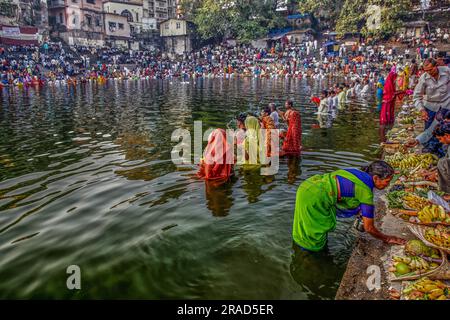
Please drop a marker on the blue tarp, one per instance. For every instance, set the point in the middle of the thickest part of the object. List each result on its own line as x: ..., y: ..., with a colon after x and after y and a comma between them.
x: 297, y: 16
x: 278, y: 32
x: 329, y: 43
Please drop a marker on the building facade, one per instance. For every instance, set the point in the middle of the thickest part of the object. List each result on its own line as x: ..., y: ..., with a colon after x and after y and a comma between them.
x: 25, y: 13
x: 77, y: 21
x: 161, y: 10
x: 176, y: 35
x: 117, y: 30
x: 133, y: 10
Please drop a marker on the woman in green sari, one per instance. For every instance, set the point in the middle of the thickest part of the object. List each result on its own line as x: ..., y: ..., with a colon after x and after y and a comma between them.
x: 251, y: 143
x: 343, y: 193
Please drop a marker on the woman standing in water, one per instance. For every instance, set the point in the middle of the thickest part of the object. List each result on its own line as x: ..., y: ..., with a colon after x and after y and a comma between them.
x: 343, y: 193
x: 292, y: 143
x: 251, y: 142
x: 380, y: 86
x: 389, y: 95
x: 268, y: 124
x: 218, y: 161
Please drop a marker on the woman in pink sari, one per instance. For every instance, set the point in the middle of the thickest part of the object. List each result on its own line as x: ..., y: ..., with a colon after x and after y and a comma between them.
x: 389, y: 95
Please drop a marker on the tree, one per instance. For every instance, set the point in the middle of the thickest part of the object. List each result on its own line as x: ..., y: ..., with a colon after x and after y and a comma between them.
x: 215, y: 19
x: 323, y: 9
x: 354, y: 16
x: 244, y: 19
x: 351, y: 17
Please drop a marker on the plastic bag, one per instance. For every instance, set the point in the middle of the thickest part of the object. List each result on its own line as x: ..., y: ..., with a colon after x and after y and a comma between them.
x: 434, y: 198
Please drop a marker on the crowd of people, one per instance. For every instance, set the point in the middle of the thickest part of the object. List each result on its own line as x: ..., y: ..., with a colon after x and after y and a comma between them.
x: 345, y: 193
x: 52, y: 63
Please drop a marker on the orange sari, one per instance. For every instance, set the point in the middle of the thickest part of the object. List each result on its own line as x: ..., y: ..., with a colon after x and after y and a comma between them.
x: 267, y: 123
x: 218, y: 161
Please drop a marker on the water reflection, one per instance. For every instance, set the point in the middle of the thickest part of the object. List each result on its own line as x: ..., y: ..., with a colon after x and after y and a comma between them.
x: 315, y: 272
x: 294, y: 169
x: 219, y: 196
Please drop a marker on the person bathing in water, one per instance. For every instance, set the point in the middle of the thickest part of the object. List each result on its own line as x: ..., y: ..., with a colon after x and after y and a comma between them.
x: 346, y: 193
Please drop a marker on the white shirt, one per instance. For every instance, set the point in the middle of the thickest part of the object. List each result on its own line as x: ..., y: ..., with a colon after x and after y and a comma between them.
x: 275, y: 118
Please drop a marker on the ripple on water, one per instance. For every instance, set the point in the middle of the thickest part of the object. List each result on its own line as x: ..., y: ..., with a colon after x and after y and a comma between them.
x: 86, y: 178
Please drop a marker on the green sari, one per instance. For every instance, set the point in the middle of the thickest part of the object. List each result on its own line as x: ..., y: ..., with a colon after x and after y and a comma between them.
x: 251, y: 143
x: 315, y: 207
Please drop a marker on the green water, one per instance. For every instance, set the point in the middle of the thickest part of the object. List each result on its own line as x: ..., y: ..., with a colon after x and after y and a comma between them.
x: 86, y: 179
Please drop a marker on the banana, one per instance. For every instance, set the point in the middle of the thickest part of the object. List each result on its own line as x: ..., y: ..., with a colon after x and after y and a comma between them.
x: 431, y: 287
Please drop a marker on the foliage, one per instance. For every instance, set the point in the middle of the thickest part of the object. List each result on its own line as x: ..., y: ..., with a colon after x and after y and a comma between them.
x: 244, y: 19
x: 8, y: 8
x: 350, y: 16
x: 326, y: 9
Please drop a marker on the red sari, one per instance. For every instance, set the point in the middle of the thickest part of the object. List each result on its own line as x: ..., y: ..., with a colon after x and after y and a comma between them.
x: 387, y: 115
x: 218, y: 161
x: 267, y: 123
x: 292, y: 144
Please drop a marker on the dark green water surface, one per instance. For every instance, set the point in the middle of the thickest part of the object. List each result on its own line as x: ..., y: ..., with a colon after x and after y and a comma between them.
x: 86, y: 179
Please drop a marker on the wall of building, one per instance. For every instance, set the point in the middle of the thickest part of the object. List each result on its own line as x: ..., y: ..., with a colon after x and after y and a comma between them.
x: 116, y: 25
x: 161, y: 9
x: 177, y: 45
x: 173, y: 27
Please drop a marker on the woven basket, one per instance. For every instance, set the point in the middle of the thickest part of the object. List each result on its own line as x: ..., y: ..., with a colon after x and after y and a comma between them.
x: 406, y: 283
x: 419, y: 232
x: 440, y: 273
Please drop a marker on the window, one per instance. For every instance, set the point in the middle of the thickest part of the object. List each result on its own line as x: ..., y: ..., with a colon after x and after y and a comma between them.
x: 121, y: 26
x: 166, y: 26
x: 178, y: 25
x: 74, y: 1
x: 112, y: 25
x: 61, y: 20
x: 88, y: 20
x: 137, y: 17
x: 97, y: 22
x: 90, y: 1
x: 127, y: 14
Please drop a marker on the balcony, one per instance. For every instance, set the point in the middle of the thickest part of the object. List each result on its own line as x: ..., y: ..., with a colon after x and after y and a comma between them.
x: 53, y: 4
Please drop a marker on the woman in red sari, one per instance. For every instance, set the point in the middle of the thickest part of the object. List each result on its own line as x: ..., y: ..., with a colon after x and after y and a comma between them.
x: 389, y: 95
x: 218, y: 161
x: 292, y: 144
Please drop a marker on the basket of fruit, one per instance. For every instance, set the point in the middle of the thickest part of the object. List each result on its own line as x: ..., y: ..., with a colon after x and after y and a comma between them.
x: 415, y: 202
x: 438, y: 237
x: 432, y: 216
x: 411, y: 161
x: 425, y: 289
x: 417, y: 260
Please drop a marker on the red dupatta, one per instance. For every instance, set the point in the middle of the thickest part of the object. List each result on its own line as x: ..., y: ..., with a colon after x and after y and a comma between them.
x: 218, y: 161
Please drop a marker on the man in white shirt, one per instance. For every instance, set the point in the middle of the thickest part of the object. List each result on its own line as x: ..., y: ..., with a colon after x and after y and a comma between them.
x: 274, y: 114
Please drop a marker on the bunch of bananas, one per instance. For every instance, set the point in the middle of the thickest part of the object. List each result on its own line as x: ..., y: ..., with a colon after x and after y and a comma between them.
x: 395, y: 159
x: 439, y: 236
x: 426, y: 289
x: 408, y: 120
x: 433, y: 213
x: 410, y: 161
x: 415, y: 202
x: 413, y: 263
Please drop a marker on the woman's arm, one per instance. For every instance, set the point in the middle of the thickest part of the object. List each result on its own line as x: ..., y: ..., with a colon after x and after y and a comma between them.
x: 370, y: 228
